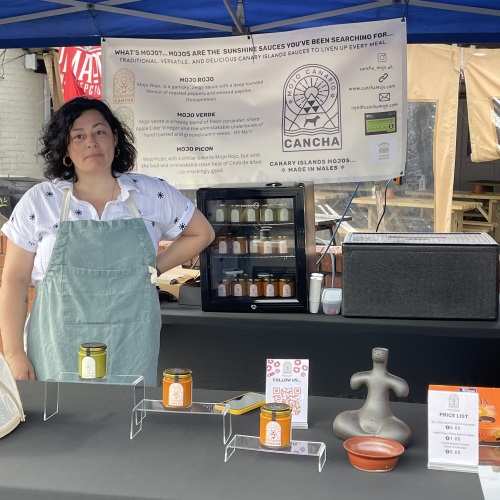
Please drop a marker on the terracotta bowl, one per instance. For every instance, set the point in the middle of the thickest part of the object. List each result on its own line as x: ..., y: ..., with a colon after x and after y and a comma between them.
x: 373, y: 454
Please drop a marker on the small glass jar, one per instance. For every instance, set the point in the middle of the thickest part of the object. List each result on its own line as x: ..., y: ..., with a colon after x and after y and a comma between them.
x: 240, y: 245
x: 177, y: 388
x: 235, y: 213
x: 254, y: 287
x: 223, y: 243
x: 253, y: 244
x: 267, y: 213
x: 275, y: 425
x: 92, y: 360
x: 224, y: 288
x: 283, y: 245
x: 282, y: 213
x: 221, y: 213
x: 270, y: 286
x: 287, y: 287
x: 239, y: 287
x: 251, y: 214
x: 266, y: 246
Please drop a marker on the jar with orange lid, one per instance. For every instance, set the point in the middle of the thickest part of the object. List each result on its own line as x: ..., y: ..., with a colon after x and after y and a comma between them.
x: 223, y: 243
x: 238, y: 286
x: 177, y: 388
x: 224, y: 288
x: 254, y: 287
x: 240, y: 245
x: 287, y: 287
x: 270, y: 286
x: 275, y: 425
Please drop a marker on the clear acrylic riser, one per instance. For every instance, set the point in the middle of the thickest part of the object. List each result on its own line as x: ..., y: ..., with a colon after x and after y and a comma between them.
x: 51, y: 404
x: 156, y: 406
x: 296, y: 448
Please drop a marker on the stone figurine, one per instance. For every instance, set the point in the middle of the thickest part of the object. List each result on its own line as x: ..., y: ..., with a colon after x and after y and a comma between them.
x: 375, y: 418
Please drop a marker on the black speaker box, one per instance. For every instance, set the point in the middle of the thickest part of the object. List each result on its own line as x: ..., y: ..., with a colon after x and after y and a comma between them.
x: 420, y: 275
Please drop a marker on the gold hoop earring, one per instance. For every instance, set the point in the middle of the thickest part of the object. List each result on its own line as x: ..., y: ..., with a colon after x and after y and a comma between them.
x: 64, y: 161
x: 117, y: 153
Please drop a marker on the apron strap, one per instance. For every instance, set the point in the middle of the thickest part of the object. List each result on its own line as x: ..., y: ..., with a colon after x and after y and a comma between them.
x: 63, y: 215
x: 133, y: 206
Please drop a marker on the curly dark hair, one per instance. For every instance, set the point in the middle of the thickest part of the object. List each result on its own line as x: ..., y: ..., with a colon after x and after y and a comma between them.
x: 55, y: 139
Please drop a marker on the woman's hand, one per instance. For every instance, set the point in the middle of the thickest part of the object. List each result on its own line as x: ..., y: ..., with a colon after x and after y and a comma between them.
x: 21, y: 366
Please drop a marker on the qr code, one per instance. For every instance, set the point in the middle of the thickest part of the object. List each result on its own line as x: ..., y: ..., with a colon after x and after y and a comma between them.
x: 292, y: 396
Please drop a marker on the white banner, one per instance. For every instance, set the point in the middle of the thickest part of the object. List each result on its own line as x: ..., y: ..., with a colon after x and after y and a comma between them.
x: 323, y: 104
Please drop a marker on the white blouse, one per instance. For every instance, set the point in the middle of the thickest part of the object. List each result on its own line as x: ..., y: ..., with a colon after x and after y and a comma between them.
x: 35, y: 219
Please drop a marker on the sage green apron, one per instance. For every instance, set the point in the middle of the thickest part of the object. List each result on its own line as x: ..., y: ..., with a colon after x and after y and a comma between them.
x: 98, y: 288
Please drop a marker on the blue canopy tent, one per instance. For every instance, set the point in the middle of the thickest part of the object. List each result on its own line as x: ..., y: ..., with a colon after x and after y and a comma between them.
x: 53, y: 23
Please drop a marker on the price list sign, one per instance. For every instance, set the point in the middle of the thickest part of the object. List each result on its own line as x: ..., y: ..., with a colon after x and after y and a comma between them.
x: 453, y: 431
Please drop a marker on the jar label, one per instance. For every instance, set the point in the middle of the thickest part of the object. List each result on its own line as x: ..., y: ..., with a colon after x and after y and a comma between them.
x: 253, y: 290
x: 89, y: 369
x: 235, y: 215
x: 284, y: 214
x: 287, y: 291
x: 219, y: 215
x: 221, y: 290
x: 268, y: 215
x: 238, y: 290
x: 273, y: 434
x: 254, y: 246
x: 176, y: 395
x: 283, y: 246
x: 236, y: 247
x: 251, y: 216
x: 222, y: 247
x: 270, y: 290
x: 268, y: 247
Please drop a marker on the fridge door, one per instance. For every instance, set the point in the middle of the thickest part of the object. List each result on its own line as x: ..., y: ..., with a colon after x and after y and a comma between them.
x: 262, y: 252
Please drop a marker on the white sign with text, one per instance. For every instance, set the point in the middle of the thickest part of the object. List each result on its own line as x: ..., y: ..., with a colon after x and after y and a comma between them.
x: 287, y: 381
x: 322, y: 104
x: 453, y: 431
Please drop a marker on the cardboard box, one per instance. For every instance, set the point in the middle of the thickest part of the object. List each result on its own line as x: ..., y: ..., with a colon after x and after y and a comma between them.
x: 488, y: 411
x: 171, y: 281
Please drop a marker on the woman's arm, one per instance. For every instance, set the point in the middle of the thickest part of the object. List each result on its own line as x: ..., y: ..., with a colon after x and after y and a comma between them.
x: 197, y: 235
x: 16, y: 279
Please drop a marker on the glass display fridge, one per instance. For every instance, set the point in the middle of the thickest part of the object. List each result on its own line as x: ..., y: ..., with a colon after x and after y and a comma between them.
x: 264, y: 248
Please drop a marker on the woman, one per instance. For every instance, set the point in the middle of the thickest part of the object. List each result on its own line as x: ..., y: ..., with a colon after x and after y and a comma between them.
x: 88, y: 240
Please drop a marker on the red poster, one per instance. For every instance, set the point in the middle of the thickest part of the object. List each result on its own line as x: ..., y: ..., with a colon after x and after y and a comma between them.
x: 80, y: 69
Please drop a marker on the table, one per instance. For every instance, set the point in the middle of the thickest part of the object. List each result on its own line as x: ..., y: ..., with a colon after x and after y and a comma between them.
x: 229, y: 350
x: 458, y: 208
x: 490, y: 211
x: 84, y: 452
x: 484, y: 185
x: 328, y: 222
